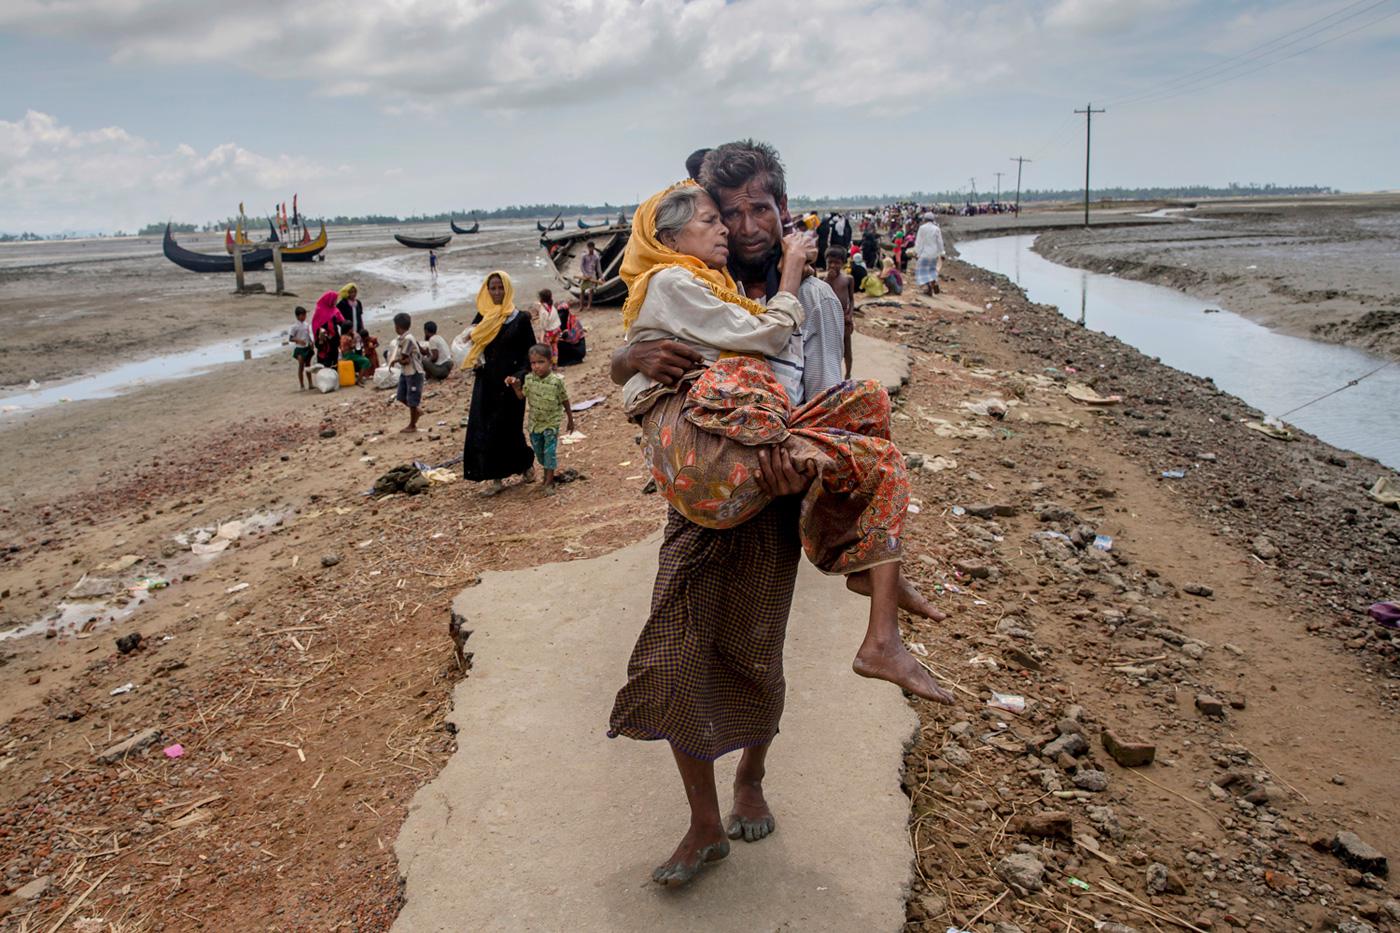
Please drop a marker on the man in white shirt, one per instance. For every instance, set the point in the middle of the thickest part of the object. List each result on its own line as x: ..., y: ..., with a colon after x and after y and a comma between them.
x: 928, y: 247
x: 437, y: 355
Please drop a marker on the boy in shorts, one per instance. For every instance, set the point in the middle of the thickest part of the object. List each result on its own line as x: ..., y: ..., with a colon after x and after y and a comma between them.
x: 410, y: 358
x: 302, y: 350
x: 548, y: 399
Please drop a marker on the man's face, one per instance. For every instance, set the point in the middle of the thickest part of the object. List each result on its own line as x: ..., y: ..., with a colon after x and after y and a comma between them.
x: 754, y: 220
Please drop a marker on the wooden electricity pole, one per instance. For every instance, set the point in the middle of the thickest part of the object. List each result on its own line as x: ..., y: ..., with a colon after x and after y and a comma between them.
x: 1088, y: 112
x: 998, y: 175
x: 1019, y: 160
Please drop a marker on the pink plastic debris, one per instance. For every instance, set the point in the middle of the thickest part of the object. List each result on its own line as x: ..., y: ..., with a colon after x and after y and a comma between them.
x: 174, y: 751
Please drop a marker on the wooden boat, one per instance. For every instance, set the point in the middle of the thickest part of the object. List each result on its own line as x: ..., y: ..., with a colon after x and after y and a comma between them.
x: 565, y: 250
x: 203, y: 262
x: 308, y: 251
x: 555, y: 224
x: 456, y: 229
x: 587, y: 226
x: 424, y: 242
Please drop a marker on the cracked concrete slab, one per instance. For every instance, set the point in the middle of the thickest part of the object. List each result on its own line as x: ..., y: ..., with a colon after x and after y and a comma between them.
x: 540, y: 822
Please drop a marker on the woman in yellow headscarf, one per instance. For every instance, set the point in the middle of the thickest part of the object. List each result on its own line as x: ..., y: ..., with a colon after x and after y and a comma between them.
x: 350, y: 308
x: 691, y: 675
x: 501, y: 337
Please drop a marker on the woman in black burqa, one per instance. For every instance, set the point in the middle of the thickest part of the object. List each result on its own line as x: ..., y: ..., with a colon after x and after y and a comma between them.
x: 501, y: 337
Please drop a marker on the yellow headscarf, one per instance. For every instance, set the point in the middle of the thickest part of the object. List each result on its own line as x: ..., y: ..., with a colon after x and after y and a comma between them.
x: 345, y: 291
x: 646, y: 255
x: 492, y: 316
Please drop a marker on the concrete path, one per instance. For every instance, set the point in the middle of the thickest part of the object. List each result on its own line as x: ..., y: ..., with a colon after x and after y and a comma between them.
x: 540, y: 822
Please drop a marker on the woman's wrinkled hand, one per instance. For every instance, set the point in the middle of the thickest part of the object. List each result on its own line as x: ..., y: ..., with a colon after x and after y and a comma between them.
x: 779, y: 475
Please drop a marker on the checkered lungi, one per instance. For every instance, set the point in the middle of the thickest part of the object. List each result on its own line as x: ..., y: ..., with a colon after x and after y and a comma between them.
x: 707, y: 670
x: 926, y: 269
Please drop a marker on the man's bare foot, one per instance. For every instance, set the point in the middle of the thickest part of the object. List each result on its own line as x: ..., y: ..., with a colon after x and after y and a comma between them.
x: 749, y: 819
x: 894, y: 663
x: 910, y: 599
x: 408, y: 430
x: 698, y: 848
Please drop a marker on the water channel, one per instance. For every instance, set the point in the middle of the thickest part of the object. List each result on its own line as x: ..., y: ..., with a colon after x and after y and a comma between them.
x: 1271, y: 371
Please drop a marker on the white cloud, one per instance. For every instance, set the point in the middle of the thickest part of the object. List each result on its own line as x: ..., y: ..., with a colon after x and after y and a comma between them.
x: 528, y: 54
x: 1106, y: 16
x: 54, y: 176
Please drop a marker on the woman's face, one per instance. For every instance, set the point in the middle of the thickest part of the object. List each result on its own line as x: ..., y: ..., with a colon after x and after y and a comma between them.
x: 705, y: 237
x: 352, y: 294
x: 496, y: 289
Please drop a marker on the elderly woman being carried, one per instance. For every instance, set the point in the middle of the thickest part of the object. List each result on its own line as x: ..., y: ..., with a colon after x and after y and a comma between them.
x: 702, y: 436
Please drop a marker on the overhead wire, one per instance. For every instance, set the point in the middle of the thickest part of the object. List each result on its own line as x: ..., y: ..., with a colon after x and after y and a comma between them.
x: 1254, y: 53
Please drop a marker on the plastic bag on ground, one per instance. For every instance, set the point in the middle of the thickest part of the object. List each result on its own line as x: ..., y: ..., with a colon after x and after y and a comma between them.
x: 387, y: 377
x: 326, y: 379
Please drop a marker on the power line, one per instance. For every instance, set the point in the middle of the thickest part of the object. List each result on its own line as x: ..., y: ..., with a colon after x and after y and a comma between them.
x: 1088, y: 112
x: 1335, y: 391
x: 1208, y: 74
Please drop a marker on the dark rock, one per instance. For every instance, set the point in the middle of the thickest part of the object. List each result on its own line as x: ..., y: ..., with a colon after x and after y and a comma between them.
x: 1022, y: 872
x: 129, y: 642
x: 330, y: 560
x: 1071, y: 743
x: 328, y: 432
x: 1360, y: 855
x: 1162, y: 880
x: 1198, y: 589
x: 1091, y: 779
x: 1127, y: 754
x: 1209, y: 705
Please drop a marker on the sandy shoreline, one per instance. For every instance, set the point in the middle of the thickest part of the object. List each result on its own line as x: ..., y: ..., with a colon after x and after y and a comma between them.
x: 1322, y: 268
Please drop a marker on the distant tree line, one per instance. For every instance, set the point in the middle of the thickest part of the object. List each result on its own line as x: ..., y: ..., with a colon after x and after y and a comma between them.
x: 1232, y: 190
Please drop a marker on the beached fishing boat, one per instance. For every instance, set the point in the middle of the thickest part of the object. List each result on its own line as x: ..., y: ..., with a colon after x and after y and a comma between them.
x: 565, y: 250
x: 424, y: 242
x: 308, y: 251
x: 555, y: 224
x: 203, y: 262
x: 582, y: 225
x: 456, y: 229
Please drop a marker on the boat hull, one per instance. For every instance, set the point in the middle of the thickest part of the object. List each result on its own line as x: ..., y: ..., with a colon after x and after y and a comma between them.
x: 306, y: 252
x: 565, y: 250
x: 203, y: 262
x: 416, y: 242
x: 456, y: 229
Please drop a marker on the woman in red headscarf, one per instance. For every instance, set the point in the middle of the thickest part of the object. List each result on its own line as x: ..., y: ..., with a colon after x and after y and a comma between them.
x: 325, y: 331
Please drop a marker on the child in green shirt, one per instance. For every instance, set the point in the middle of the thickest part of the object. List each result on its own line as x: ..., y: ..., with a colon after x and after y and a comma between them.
x: 544, y: 391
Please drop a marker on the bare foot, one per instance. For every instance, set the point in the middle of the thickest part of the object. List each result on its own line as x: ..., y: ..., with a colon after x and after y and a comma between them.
x: 894, y: 663
x: 408, y: 430
x: 910, y: 599
x: 494, y: 489
x: 749, y: 819
x: 528, y: 476
x: 698, y: 848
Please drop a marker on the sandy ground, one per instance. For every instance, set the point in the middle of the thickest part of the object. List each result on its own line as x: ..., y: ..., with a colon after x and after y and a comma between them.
x: 312, y: 703
x: 1315, y: 267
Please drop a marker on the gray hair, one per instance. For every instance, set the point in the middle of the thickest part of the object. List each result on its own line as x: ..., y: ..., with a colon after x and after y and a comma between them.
x: 676, y: 210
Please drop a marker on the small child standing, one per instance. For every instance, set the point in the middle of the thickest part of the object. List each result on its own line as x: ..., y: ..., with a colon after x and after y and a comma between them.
x: 410, y: 358
x: 544, y: 390
x: 548, y: 317
x: 300, y: 336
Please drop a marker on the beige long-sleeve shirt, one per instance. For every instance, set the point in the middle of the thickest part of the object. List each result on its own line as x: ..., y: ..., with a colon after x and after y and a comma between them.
x: 678, y: 307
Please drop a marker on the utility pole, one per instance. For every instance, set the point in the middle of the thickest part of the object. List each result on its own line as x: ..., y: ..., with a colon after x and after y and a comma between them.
x: 998, y: 175
x: 1019, y: 160
x: 1088, y: 112
x: 973, y: 183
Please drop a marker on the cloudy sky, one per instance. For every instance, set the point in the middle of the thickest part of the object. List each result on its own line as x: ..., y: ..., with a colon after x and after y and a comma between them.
x: 117, y: 113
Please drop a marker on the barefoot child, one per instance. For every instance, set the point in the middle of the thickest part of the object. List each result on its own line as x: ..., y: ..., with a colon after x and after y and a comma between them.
x: 703, y: 435
x: 845, y: 288
x: 544, y: 391
x: 300, y: 337
x: 410, y: 358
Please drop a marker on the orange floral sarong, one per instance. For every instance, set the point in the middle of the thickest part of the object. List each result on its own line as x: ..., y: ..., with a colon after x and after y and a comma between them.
x: 702, y: 448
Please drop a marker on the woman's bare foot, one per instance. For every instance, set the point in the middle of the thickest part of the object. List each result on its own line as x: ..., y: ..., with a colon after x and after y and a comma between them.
x: 494, y: 489
x: 891, y: 661
x: 910, y: 599
x: 749, y: 819
x: 700, y: 846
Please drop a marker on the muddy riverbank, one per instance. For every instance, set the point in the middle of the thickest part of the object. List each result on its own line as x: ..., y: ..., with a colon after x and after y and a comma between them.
x: 1322, y: 268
